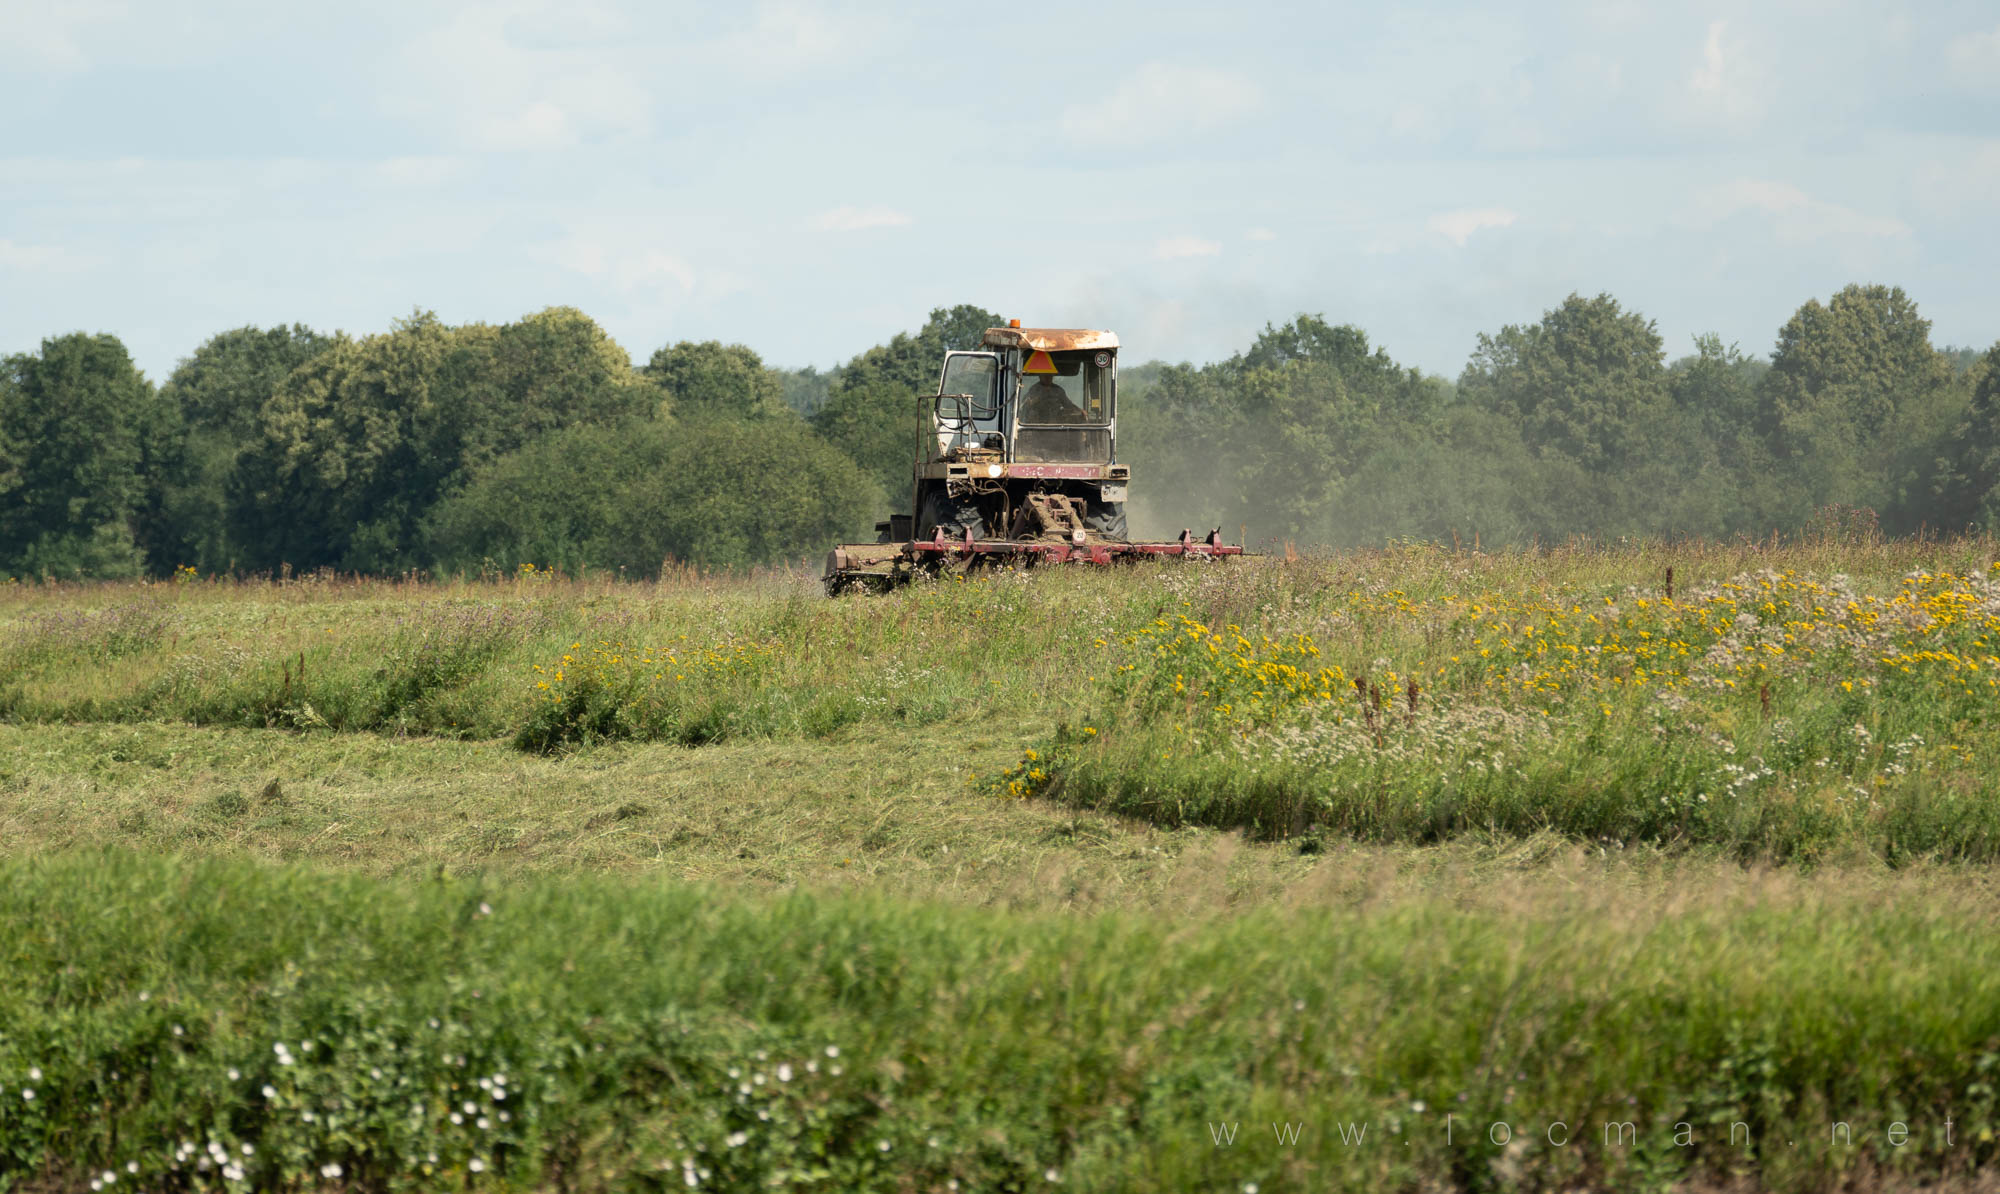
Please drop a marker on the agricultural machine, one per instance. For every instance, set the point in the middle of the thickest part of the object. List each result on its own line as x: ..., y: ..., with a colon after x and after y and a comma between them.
x: 1018, y: 465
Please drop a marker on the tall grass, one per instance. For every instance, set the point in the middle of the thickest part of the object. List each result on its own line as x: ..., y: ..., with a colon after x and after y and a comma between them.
x: 1771, y: 712
x: 1775, y: 701
x: 311, y: 1031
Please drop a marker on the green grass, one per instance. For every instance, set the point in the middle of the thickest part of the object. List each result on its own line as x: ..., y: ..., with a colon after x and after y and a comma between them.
x: 276, y: 810
x: 1100, y: 1047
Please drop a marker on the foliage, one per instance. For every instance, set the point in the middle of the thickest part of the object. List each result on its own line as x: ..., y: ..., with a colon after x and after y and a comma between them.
x: 282, y: 448
x: 217, y: 394
x: 1276, y: 435
x: 1855, y: 398
x: 712, y: 379
x: 81, y: 433
x: 728, y: 492
x: 563, y: 501
x: 359, y: 443
x: 1579, y: 383
x: 1967, y: 481
x: 805, y: 389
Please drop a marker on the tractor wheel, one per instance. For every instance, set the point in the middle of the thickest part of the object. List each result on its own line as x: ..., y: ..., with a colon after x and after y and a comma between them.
x: 1106, y: 519
x: 955, y: 516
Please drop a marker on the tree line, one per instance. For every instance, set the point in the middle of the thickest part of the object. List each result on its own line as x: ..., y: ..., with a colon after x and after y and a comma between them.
x: 1579, y: 425
x: 480, y: 447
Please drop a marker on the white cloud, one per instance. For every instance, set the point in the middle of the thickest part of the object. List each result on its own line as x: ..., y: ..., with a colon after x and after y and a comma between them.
x: 1724, y: 87
x: 1974, y: 59
x: 1413, y: 122
x: 625, y: 269
x: 1708, y: 77
x: 1458, y: 226
x: 551, y: 74
x: 787, y: 37
x: 46, y: 259
x: 417, y: 173
x: 1160, y: 100
x: 539, y: 125
x: 500, y: 93
x: 1799, y: 218
x: 1173, y: 248
x: 1261, y: 234
x: 48, y: 33
x: 855, y: 219
x: 1961, y: 181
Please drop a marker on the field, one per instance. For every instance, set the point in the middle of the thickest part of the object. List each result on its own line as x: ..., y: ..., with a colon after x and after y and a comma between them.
x: 1013, y: 882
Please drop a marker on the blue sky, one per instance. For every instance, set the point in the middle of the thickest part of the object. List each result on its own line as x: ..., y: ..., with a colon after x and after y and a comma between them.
x: 810, y: 179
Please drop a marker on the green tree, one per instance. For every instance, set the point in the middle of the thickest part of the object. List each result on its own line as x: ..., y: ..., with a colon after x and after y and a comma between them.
x: 1855, y: 399
x: 557, y: 502
x: 224, y: 383
x: 1582, y: 382
x: 713, y: 378
x: 214, y: 398
x: 1272, y: 437
x: 722, y: 492
x: 360, y: 442
x: 805, y: 389
x: 875, y: 408
x: 76, y: 422
x: 1967, y: 485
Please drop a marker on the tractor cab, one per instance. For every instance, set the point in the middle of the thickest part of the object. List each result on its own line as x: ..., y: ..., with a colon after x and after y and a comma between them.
x: 1029, y: 395
x: 1021, y: 443
x: 1017, y: 466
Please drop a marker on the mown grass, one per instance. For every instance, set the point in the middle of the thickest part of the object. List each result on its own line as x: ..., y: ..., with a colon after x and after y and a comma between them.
x: 1783, y: 702
x: 830, y: 814
x: 338, y: 1026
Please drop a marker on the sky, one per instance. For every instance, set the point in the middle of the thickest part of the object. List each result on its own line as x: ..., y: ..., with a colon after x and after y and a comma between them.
x: 810, y: 179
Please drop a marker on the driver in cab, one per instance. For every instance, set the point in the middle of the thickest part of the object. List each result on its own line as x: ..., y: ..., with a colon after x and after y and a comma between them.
x: 1046, y: 402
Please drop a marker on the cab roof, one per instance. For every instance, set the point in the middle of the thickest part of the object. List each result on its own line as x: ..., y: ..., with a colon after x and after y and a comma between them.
x: 1048, y: 339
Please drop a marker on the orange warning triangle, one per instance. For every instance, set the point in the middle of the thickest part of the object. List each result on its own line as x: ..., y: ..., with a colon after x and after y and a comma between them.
x: 1039, y: 362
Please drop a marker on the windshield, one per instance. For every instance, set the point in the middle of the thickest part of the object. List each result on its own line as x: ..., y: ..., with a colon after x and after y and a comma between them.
x: 974, y: 375
x: 1065, y: 406
x: 1078, y: 391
